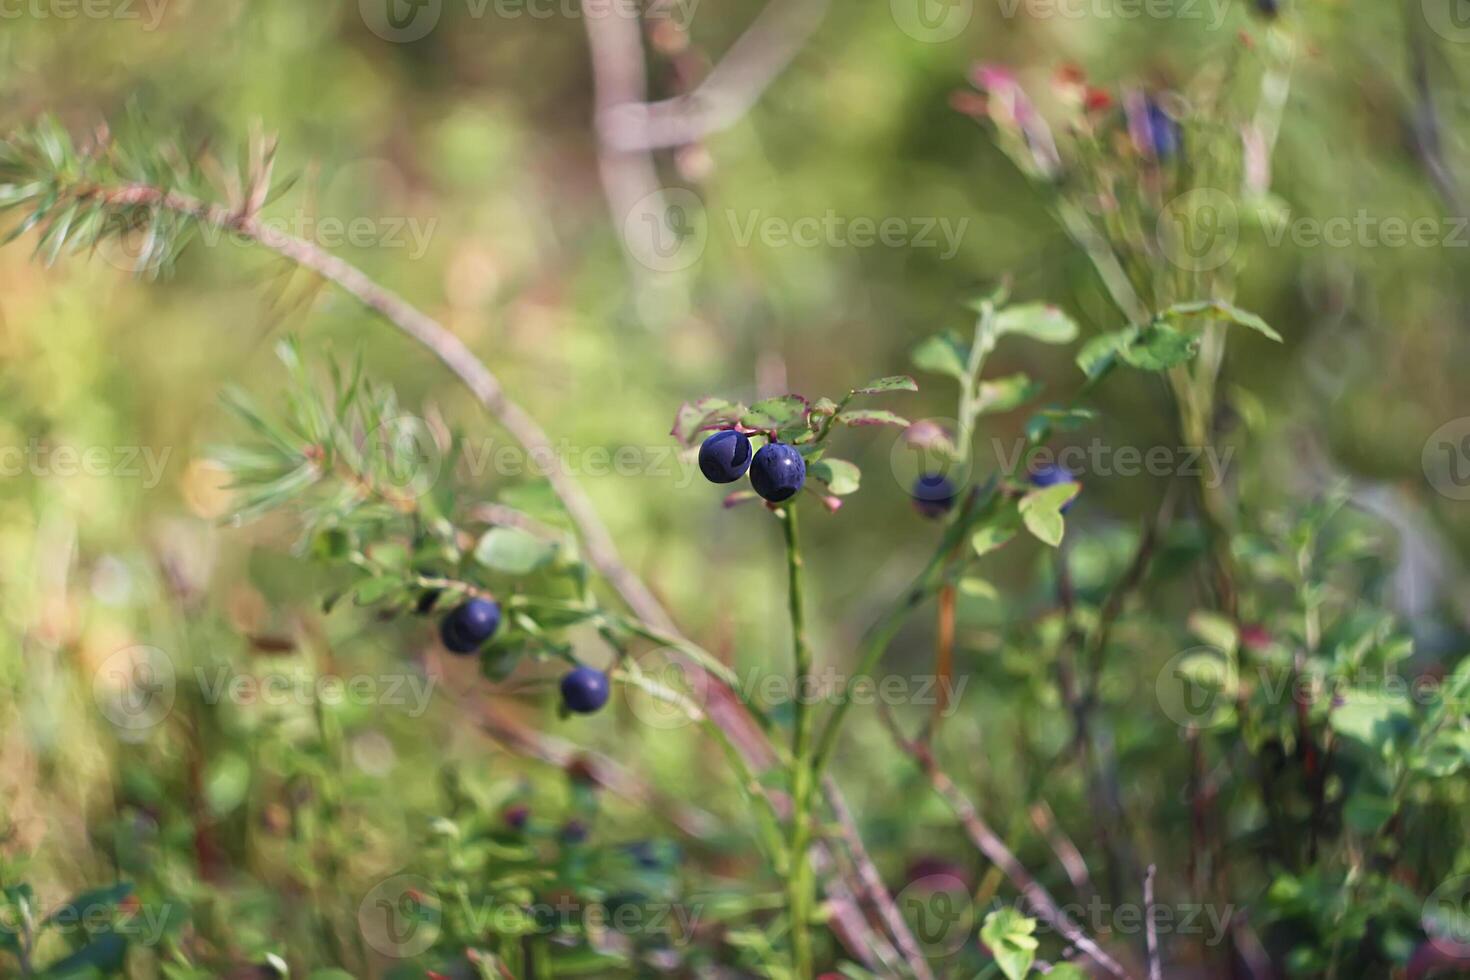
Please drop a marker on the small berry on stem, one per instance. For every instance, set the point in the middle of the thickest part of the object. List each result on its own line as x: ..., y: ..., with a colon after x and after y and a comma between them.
x: 469, y: 625
x: 725, y: 456
x: 585, y: 690
x: 934, y: 495
x: 777, y: 472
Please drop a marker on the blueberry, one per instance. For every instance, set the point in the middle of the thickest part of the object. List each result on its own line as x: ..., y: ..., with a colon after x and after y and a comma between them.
x: 725, y: 456
x: 471, y: 623
x: 777, y: 472
x: 573, y: 832
x: 516, y: 815
x: 1268, y: 8
x: 1050, y: 475
x: 584, y: 690
x: 1163, y: 132
x: 933, y: 494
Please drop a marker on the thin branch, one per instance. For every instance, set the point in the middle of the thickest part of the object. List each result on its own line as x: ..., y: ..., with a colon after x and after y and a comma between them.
x: 1151, y: 927
x: 727, y: 93
x: 873, y: 888
x: 724, y: 707
x: 995, y: 850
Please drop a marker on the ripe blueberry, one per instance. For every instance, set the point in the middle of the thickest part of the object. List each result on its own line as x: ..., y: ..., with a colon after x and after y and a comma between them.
x: 933, y: 495
x: 573, y: 832
x: 725, y: 456
x: 1268, y: 8
x: 1163, y: 131
x: 584, y: 690
x: 777, y: 472
x: 470, y: 624
x: 1050, y: 475
x: 516, y: 815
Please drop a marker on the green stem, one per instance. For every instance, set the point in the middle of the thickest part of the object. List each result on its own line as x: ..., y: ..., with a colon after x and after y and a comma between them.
x: 799, y: 881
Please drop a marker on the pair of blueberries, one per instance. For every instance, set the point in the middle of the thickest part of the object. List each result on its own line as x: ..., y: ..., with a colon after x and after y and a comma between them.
x: 777, y: 471
x: 472, y: 623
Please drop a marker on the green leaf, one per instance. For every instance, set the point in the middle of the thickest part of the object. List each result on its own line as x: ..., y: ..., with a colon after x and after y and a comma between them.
x: 1038, y: 321
x: 898, y: 382
x: 1218, y: 310
x: 226, y: 783
x: 1100, y: 354
x: 840, y: 476
x: 513, y: 551
x: 376, y: 589
x: 1369, y: 717
x: 1009, y: 936
x: 775, y: 413
x: 1067, y: 971
x: 991, y: 537
x: 943, y: 354
x: 872, y: 417
x: 1158, y: 347
x: 80, y: 907
x: 692, y: 416
x: 105, y: 954
x: 1005, y: 394
x: 1367, y: 809
x: 1041, y: 511
x: 978, y: 588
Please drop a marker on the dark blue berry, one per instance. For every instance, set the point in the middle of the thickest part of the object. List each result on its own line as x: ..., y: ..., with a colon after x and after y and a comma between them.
x: 573, y: 832
x: 1163, y: 132
x: 1268, y: 8
x: 725, y: 456
x: 584, y: 690
x: 516, y: 816
x: 471, y: 623
x: 934, y: 495
x: 777, y: 472
x: 1052, y: 474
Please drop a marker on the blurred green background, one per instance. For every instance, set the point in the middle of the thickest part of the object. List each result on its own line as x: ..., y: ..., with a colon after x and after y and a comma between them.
x: 479, y: 138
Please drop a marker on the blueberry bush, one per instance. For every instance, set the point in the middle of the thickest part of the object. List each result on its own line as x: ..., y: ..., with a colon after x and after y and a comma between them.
x: 385, y: 696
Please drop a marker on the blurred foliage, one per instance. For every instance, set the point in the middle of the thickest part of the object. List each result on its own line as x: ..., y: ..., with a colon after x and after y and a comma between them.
x: 252, y: 833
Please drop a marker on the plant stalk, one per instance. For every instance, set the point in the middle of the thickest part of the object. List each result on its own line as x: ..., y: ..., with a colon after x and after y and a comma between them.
x: 799, y: 881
